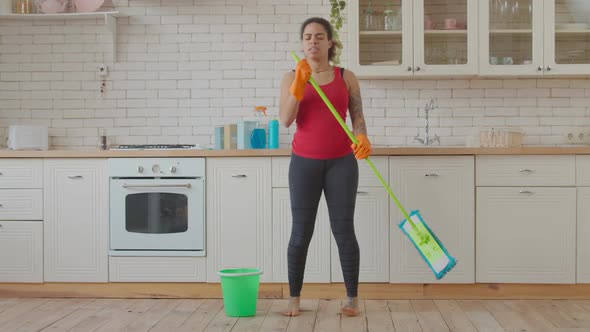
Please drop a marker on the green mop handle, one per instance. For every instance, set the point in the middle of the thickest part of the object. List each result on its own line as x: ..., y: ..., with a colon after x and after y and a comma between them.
x: 354, y: 140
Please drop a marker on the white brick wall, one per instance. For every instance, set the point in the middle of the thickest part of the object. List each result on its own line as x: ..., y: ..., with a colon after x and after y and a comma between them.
x: 186, y: 66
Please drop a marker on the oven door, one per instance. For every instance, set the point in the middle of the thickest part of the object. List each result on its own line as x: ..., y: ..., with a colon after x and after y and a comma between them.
x: 157, y: 214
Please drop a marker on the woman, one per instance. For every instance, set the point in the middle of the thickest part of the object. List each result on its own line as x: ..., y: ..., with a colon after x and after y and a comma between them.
x: 323, y: 159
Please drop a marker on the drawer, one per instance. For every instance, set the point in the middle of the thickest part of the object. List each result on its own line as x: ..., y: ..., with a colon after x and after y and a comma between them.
x: 21, y: 251
x: 21, y: 173
x: 21, y: 204
x: 280, y: 172
x: 583, y: 171
x: 157, y: 269
x: 525, y: 170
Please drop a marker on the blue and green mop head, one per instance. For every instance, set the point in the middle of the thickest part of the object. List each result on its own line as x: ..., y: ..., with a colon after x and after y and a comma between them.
x: 413, y: 226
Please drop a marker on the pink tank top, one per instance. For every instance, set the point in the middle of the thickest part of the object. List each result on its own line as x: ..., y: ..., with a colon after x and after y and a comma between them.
x: 318, y: 134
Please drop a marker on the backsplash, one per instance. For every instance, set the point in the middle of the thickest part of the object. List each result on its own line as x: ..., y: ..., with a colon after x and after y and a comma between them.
x: 186, y: 66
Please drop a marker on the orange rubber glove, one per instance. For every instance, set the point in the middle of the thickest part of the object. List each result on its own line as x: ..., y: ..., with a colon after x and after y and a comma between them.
x: 363, y: 149
x: 302, y: 75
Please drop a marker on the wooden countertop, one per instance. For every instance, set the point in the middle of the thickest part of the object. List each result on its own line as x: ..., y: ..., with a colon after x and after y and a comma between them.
x: 391, y: 151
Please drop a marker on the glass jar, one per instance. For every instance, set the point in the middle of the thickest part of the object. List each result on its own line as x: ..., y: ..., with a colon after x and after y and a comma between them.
x: 23, y: 6
x: 390, y: 20
x: 369, y: 18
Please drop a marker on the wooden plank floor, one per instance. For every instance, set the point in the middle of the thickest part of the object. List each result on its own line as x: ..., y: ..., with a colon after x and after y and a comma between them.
x: 75, y: 314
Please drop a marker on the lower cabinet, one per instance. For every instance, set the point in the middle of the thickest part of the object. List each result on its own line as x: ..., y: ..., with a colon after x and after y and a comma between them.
x: 21, y: 251
x: 317, y: 267
x: 526, y: 235
x: 239, y: 224
x: 371, y: 223
x: 442, y: 189
x: 583, y: 231
x: 75, y: 194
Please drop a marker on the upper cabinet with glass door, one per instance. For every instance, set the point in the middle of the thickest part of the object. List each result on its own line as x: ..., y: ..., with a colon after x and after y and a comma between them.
x: 380, y: 37
x: 445, y: 37
x: 413, y: 37
x: 534, y: 37
x: 511, y: 37
x: 567, y: 37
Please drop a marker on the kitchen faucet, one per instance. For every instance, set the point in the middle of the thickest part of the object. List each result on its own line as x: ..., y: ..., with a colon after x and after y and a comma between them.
x: 427, y: 140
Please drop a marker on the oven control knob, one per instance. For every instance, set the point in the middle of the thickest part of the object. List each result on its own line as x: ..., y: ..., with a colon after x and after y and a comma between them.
x: 172, y: 169
x: 156, y: 168
x: 139, y: 169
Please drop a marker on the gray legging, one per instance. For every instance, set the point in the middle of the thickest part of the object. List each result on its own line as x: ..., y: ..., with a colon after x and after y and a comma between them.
x: 338, y: 178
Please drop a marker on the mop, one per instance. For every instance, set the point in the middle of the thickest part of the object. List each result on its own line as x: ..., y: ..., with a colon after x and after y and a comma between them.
x: 413, y: 226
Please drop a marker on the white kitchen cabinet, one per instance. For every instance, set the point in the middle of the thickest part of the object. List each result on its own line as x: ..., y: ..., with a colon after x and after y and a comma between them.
x: 75, y: 229
x: 583, y: 231
x: 526, y: 234
x: 317, y: 265
x: 526, y: 219
x: 426, y: 37
x: 371, y: 223
x: 534, y: 38
x: 21, y: 251
x: 583, y: 218
x: 17, y: 173
x: 371, y: 228
x: 239, y: 215
x: 442, y: 189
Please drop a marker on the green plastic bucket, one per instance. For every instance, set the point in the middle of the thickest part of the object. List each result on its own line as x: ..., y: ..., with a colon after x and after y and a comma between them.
x: 240, y: 291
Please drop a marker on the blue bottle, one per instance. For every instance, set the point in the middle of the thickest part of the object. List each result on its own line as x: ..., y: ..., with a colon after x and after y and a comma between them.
x: 273, y: 134
x: 258, y: 138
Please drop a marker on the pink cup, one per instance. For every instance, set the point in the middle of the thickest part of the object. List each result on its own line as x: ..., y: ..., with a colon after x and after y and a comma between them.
x: 450, y: 23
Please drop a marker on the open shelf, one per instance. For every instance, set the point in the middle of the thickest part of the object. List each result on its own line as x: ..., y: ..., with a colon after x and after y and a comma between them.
x: 381, y: 33
x: 109, y: 18
x: 445, y: 32
x: 511, y: 31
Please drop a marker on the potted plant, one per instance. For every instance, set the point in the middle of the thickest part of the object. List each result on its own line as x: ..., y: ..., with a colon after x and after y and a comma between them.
x: 336, y: 19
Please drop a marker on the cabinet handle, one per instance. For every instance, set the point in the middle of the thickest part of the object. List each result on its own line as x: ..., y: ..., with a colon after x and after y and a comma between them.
x: 1, y: 226
x: 75, y: 177
x: 238, y: 176
x: 526, y: 170
x: 1, y: 205
x: 431, y: 174
x: 548, y: 68
x: 362, y: 192
x: 409, y: 68
x: 1, y: 173
x: 418, y: 68
x: 539, y: 68
x: 526, y: 192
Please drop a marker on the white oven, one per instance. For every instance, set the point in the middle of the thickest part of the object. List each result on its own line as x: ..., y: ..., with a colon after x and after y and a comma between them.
x: 157, y: 206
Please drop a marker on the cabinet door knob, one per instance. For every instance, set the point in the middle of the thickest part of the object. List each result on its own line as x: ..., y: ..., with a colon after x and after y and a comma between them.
x: 548, y: 68
x: 409, y: 68
x: 418, y: 68
x: 539, y: 68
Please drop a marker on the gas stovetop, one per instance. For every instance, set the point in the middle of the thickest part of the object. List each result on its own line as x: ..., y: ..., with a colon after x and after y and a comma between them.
x: 156, y: 147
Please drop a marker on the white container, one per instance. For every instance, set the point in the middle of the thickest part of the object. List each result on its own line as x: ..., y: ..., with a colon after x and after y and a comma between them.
x: 5, y: 7
x: 28, y: 137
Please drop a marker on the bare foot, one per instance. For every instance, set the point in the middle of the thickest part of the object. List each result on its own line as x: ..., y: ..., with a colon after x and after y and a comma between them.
x: 351, y: 308
x: 293, y: 307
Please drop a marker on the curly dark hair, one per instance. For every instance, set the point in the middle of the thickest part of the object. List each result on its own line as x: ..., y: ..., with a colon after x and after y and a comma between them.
x: 328, y: 27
